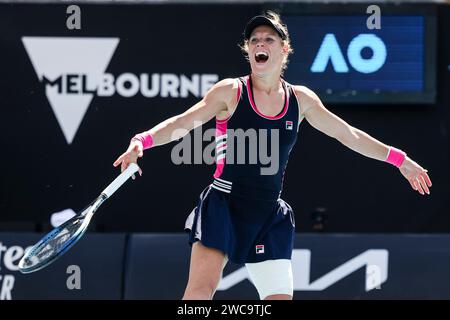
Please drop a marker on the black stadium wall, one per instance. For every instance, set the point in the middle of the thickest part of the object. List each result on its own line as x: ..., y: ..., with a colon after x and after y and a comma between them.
x: 59, y: 137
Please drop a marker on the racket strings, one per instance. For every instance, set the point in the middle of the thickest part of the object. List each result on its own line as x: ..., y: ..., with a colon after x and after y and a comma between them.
x: 54, y: 243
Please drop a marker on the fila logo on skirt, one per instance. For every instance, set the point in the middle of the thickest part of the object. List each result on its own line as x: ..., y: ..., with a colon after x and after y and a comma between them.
x: 259, y: 249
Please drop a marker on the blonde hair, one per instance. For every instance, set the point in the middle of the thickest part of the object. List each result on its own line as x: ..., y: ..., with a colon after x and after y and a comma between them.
x: 275, y: 17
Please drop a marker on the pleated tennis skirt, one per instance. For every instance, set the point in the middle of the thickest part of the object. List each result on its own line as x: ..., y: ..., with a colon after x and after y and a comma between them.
x: 246, y: 229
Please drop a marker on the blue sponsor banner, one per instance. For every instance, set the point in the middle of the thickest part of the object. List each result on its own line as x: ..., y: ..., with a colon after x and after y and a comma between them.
x: 156, y: 266
x: 325, y: 266
x: 92, y: 269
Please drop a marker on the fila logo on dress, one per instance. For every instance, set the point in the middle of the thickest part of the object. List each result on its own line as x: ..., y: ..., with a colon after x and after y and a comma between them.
x: 289, y: 125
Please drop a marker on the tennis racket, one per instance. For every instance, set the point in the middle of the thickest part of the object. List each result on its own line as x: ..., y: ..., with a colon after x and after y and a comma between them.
x: 54, y: 244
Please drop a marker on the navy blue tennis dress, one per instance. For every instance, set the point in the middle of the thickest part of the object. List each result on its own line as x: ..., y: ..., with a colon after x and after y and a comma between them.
x: 241, y: 212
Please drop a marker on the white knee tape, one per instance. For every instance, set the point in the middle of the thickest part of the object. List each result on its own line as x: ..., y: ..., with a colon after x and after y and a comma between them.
x: 271, y: 277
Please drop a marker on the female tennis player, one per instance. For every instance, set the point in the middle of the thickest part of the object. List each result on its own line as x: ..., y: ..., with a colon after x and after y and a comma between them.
x: 241, y: 216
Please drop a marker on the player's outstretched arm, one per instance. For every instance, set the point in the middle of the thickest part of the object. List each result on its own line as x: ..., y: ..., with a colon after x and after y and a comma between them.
x: 216, y: 100
x: 325, y: 121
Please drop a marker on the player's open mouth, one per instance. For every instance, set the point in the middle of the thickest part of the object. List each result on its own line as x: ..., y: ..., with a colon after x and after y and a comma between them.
x: 261, y: 57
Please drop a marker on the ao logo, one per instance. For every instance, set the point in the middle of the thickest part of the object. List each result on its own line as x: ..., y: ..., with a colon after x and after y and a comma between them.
x: 331, y: 52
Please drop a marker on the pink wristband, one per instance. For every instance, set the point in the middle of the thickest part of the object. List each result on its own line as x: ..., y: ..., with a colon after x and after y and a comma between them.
x: 396, y: 157
x: 145, y: 138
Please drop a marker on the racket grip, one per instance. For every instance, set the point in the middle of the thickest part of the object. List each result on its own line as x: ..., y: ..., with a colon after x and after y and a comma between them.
x: 120, y: 180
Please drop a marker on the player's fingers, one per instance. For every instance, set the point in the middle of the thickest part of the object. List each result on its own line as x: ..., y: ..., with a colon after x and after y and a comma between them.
x: 133, y: 177
x: 118, y: 160
x: 419, y: 188
x: 140, y: 171
x: 124, y: 166
x: 423, y: 184
x: 427, y: 178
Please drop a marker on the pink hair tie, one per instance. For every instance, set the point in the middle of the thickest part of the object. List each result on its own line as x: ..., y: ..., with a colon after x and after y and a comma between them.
x: 396, y: 157
x: 145, y: 138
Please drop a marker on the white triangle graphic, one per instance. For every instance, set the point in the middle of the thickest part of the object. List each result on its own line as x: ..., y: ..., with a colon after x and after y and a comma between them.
x: 53, y: 57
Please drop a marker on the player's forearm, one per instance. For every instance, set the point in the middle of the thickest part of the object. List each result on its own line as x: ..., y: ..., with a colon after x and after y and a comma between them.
x: 364, y: 144
x: 169, y: 130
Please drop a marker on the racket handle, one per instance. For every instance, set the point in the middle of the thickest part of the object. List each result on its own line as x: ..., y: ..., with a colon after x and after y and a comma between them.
x: 120, y: 180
